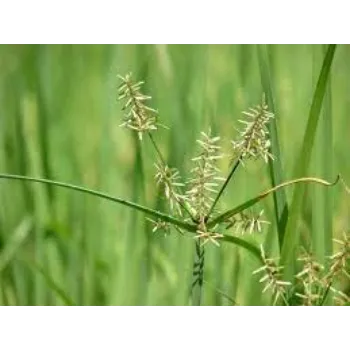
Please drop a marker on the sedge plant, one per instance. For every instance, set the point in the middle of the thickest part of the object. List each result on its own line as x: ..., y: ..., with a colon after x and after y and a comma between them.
x: 193, y: 200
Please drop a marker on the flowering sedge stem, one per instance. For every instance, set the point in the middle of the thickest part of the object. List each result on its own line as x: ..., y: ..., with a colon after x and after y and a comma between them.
x: 222, y: 189
x: 162, y: 160
x: 159, y: 153
x: 197, y: 274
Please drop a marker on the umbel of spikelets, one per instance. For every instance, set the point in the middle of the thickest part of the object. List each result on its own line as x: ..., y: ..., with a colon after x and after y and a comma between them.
x: 272, y: 278
x: 138, y: 116
x: 205, y: 175
x: 254, y: 140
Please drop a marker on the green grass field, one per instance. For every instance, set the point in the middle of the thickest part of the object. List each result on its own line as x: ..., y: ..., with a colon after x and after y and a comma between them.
x: 59, y: 120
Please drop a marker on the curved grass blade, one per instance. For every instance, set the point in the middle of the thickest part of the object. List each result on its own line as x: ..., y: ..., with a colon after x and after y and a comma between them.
x: 243, y: 244
x: 148, y: 211
x: 291, y: 235
x: 261, y: 196
x: 275, y: 167
x: 154, y: 213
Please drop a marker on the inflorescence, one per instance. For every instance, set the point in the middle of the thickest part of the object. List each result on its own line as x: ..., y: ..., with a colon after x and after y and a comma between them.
x: 194, y: 200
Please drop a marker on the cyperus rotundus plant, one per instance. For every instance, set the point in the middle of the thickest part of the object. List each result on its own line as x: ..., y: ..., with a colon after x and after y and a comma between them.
x: 193, y: 200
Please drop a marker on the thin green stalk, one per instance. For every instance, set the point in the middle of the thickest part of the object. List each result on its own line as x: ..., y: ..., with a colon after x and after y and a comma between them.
x: 198, y: 266
x: 197, y: 274
x: 153, y: 213
x: 137, y: 256
x: 159, y: 153
x: 222, y: 189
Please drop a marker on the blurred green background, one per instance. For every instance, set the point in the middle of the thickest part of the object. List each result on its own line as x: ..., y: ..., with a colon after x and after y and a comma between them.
x: 59, y: 119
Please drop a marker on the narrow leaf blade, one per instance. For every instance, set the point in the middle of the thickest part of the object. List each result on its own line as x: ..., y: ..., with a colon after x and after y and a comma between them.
x: 148, y: 211
x: 292, y: 235
x: 275, y: 167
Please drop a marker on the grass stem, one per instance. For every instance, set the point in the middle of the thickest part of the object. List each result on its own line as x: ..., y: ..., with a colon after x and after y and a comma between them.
x: 223, y: 187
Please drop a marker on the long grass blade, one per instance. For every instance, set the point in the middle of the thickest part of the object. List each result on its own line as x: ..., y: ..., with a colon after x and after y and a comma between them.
x: 292, y: 234
x: 275, y: 167
x: 243, y: 244
x: 153, y: 213
x: 251, y: 202
x: 323, y: 165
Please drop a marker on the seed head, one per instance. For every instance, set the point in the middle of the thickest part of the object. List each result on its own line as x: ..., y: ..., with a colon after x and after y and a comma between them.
x: 309, y: 296
x: 205, y: 175
x: 169, y: 179
x: 310, y: 277
x: 339, y: 297
x: 244, y: 222
x: 160, y: 225
x: 272, y: 277
x: 204, y: 233
x: 311, y: 270
x: 253, y: 141
x: 138, y: 117
x: 340, y: 260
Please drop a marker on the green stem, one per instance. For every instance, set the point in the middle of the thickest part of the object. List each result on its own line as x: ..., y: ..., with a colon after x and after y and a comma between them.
x: 253, y: 249
x: 222, y: 189
x: 198, y: 272
x: 159, y: 153
x: 151, y: 212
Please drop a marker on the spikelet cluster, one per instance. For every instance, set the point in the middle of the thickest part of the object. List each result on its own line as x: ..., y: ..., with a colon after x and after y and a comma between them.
x: 246, y: 222
x: 141, y: 118
x: 138, y: 116
x: 254, y: 141
x: 207, y: 235
x: 205, y: 176
x: 170, y: 180
x: 160, y: 225
x: 339, y: 266
x: 196, y: 197
x: 272, y: 278
x: 311, y: 278
x: 339, y: 297
x: 314, y: 283
x: 340, y: 260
